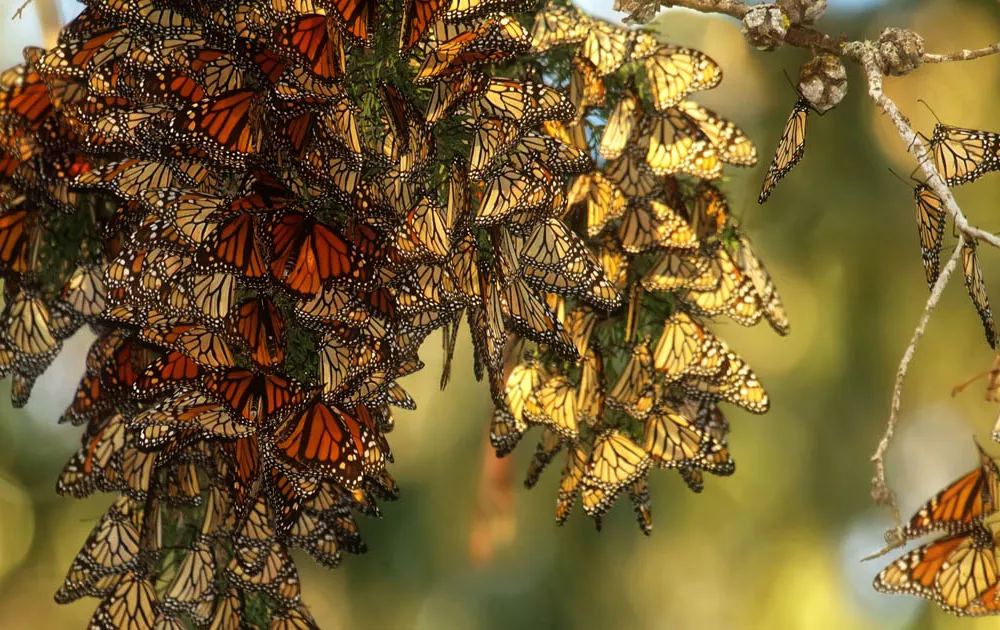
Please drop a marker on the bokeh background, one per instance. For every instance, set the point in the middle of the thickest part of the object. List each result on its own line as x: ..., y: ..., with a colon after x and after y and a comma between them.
x: 776, y: 546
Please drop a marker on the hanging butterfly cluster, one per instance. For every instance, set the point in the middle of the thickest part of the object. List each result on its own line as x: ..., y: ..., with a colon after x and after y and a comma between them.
x: 663, y: 235
x: 961, y: 156
x: 959, y: 570
x: 262, y: 209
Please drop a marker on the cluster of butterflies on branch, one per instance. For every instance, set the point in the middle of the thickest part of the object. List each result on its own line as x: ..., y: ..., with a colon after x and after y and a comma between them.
x: 958, y: 570
x: 262, y: 208
x: 647, y: 389
x: 960, y: 155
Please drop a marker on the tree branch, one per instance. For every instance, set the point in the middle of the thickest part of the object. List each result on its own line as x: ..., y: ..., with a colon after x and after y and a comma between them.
x: 20, y: 10
x: 864, y: 54
x: 880, y: 491
x: 962, y: 55
x: 797, y: 35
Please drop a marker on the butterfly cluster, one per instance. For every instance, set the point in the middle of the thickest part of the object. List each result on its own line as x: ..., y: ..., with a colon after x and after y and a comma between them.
x: 262, y: 209
x: 646, y: 392
x: 958, y: 570
x: 961, y: 156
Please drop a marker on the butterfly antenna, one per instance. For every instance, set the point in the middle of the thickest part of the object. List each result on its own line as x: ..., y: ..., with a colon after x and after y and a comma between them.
x: 924, y: 103
x: 791, y: 83
x: 900, y: 177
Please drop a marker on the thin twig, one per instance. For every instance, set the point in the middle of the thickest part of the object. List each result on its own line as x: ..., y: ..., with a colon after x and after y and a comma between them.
x: 962, y: 55
x: 17, y: 13
x: 880, y: 491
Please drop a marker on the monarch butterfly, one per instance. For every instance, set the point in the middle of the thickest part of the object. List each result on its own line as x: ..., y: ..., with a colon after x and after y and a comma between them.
x: 674, y: 142
x: 160, y: 425
x: 615, y: 463
x: 735, y: 383
x: 132, y: 604
x: 131, y: 178
x: 423, y: 234
x: 557, y: 156
x: 930, y: 227
x: 512, y: 192
x: 580, y: 323
x: 497, y: 37
x: 201, y: 345
x: 634, y: 391
x: 605, y: 46
x: 965, y: 501
x: 532, y: 318
x: 357, y: 19
x: 277, y: 575
x: 591, y: 394
x: 569, y: 484
x: 546, y: 450
x: 409, y: 143
x: 235, y: 243
x: 212, y: 294
x: 314, y: 39
x: 228, y: 610
x: 553, y: 405
x: 328, y: 440
x: 552, y: 247
x: 633, y: 176
x: 557, y: 25
x: 23, y: 93
x: 114, y: 544
x: 956, y: 572
x: 586, y: 88
x: 977, y: 290
x: 194, y: 580
x: 603, y: 199
x: 523, y: 380
x: 709, y: 211
x: 526, y: 102
x: 229, y: 127
x: 452, y: 90
x: 620, y: 126
x: 964, y: 155
x: 16, y: 234
x: 463, y: 11
x: 29, y: 322
x: 488, y: 333
x: 75, y: 58
x: 791, y: 148
x: 84, y: 291
x: 307, y: 253
x: 262, y: 328
x: 167, y: 372
x: 649, y: 224
x: 491, y: 139
x: 295, y: 617
x: 311, y: 533
x: 734, y: 294
x: 731, y: 143
x: 253, y: 397
x: 418, y: 17
x: 679, y: 270
x: 674, y: 72
x: 505, y: 431
x: 767, y: 293
x: 680, y: 346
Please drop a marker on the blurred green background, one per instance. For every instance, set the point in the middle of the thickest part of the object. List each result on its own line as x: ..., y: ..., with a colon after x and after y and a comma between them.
x: 776, y: 546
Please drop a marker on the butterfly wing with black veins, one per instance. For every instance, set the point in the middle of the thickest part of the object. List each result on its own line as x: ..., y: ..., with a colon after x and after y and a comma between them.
x: 791, y: 148
x: 976, y: 287
x: 964, y: 155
